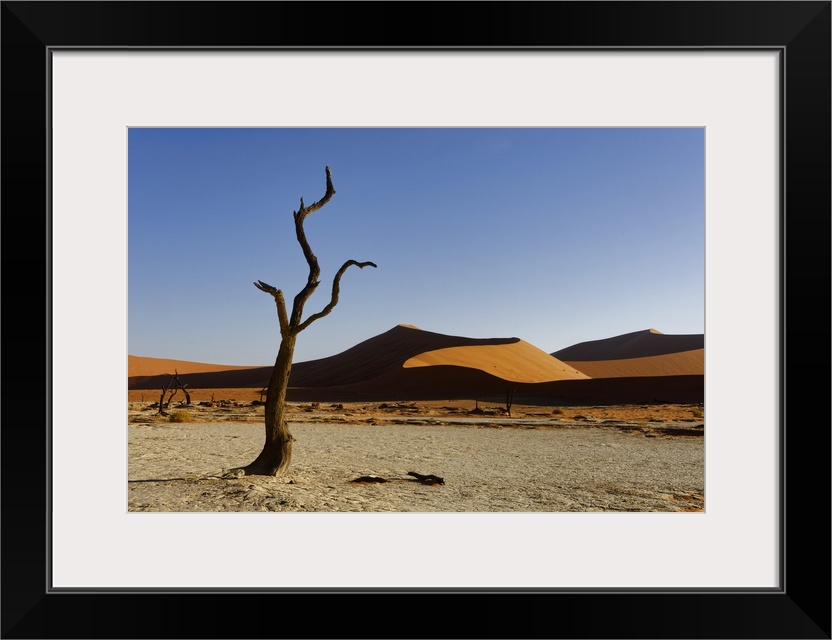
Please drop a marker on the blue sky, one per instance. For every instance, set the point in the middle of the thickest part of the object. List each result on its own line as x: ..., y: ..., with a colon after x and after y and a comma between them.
x: 556, y: 236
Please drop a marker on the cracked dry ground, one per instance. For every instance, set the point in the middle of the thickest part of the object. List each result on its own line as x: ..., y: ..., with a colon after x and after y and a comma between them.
x: 567, y: 459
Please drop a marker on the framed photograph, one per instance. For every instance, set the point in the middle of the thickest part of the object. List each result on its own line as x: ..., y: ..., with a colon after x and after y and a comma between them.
x: 752, y: 78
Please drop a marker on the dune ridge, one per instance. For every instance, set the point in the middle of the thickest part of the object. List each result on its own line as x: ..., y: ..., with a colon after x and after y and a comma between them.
x: 409, y: 363
x: 685, y: 363
x: 143, y: 366
x: 515, y: 362
x: 638, y: 354
x: 379, y: 355
x: 638, y: 344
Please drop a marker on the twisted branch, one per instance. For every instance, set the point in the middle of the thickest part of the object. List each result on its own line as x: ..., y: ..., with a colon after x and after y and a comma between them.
x: 336, y: 289
x: 293, y: 325
x: 300, y: 216
x: 281, y: 305
x: 314, y: 269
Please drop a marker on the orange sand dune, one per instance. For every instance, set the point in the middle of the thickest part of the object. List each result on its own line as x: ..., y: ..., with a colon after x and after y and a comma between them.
x: 380, y: 355
x: 686, y: 363
x: 140, y: 366
x: 406, y: 363
x: 379, y: 358
x: 405, y: 346
x: 638, y: 354
x: 639, y: 344
x: 515, y: 362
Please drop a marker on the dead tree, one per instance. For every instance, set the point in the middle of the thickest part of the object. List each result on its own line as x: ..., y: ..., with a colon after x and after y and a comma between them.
x: 181, y: 386
x: 170, y: 397
x: 276, y: 455
x: 510, y: 398
x: 172, y: 380
x: 162, y: 403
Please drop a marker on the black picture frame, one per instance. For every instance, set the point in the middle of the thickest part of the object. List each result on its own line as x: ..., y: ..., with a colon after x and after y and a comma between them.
x: 799, y: 31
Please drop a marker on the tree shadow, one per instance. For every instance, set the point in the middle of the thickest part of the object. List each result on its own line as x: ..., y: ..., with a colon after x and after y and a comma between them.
x: 160, y: 480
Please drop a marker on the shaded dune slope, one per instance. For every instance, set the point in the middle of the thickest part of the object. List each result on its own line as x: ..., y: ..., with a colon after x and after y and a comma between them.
x: 154, y: 373
x: 139, y: 366
x: 406, y: 363
x: 406, y: 347
x: 447, y: 382
x: 392, y: 358
x: 378, y: 355
x: 638, y: 344
x: 638, y: 354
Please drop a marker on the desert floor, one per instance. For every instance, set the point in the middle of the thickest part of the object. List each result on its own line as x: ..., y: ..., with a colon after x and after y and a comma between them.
x: 540, y: 459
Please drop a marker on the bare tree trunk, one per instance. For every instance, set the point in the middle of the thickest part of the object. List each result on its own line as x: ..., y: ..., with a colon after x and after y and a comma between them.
x: 162, y: 405
x: 276, y: 455
x: 172, y: 393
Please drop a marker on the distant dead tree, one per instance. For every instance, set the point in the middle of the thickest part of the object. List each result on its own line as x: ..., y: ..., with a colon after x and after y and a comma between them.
x: 173, y: 380
x: 510, y: 398
x: 181, y: 386
x: 162, y: 403
x: 276, y: 455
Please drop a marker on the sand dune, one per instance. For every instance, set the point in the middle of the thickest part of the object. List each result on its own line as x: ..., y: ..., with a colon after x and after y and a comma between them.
x: 638, y: 354
x: 253, y: 378
x: 514, y: 362
x: 406, y: 363
x: 154, y: 373
x: 672, y: 364
x: 638, y: 344
x: 140, y: 366
x: 405, y: 346
x: 385, y: 353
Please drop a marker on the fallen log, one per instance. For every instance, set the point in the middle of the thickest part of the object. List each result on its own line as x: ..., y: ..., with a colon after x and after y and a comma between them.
x: 426, y: 479
x: 369, y: 479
